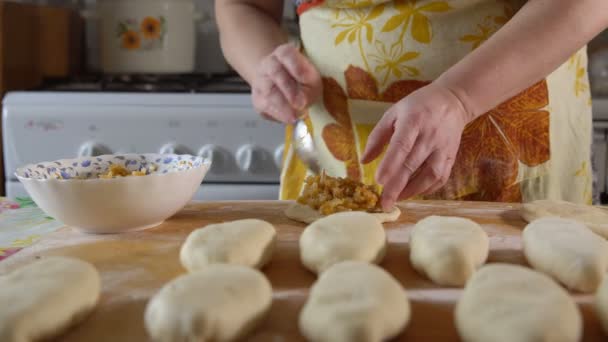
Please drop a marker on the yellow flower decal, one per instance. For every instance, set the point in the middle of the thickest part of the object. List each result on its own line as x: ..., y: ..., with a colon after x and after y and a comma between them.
x: 151, y: 27
x: 354, y: 24
x: 131, y: 40
x: 420, y: 25
x: 392, y: 61
x: 145, y: 35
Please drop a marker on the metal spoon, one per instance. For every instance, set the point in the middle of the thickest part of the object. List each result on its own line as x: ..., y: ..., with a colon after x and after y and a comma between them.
x: 304, y: 146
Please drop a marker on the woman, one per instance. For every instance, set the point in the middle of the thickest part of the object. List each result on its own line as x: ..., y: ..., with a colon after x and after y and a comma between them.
x: 449, y: 99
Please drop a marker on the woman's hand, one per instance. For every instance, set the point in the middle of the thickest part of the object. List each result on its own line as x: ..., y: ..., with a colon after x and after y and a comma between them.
x: 423, y: 134
x: 285, y: 83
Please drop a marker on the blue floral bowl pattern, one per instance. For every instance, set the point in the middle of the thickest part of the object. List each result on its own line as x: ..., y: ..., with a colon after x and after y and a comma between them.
x: 91, y: 167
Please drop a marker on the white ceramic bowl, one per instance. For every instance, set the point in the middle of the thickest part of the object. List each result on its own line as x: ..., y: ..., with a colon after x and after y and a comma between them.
x: 70, y: 190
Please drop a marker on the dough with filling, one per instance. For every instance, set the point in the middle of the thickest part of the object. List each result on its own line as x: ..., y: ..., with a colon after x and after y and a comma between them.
x: 593, y: 217
x: 221, y: 302
x: 43, y: 299
x: 567, y: 251
x: 342, y: 236
x: 248, y: 242
x: 355, y: 301
x: 305, y: 214
x: 507, y: 303
x: 448, y: 249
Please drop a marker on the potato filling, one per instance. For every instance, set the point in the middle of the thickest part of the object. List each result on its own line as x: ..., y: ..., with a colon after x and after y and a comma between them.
x: 330, y: 195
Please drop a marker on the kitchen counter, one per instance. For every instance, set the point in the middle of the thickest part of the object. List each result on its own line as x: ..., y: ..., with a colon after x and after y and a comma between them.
x: 135, y: 265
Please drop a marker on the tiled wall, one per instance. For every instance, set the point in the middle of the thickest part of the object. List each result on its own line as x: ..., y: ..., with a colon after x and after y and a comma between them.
x: 208, y: 50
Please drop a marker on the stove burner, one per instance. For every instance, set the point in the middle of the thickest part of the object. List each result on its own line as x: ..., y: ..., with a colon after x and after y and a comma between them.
x: 187, y: 83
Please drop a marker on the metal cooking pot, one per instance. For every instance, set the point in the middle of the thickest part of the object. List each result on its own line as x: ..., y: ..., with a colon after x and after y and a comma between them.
x: 146, y: 36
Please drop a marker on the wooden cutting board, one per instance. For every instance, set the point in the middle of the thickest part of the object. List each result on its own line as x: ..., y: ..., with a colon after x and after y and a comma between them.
x: 134, y: 266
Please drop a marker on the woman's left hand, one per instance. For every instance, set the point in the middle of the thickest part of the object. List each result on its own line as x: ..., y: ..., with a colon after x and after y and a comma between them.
x: 423, y: 133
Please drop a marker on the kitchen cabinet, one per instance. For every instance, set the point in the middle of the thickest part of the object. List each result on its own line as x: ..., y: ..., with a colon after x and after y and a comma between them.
x: 36, y: 42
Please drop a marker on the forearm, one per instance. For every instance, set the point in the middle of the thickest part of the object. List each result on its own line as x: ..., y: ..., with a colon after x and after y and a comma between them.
x: 541, y: 36
x: 249, y: 31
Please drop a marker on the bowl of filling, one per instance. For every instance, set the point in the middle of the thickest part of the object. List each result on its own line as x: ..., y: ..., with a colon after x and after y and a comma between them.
x: 114, y: 193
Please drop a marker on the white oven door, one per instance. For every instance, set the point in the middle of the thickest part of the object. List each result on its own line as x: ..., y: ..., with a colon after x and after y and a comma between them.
x: 237, y: 192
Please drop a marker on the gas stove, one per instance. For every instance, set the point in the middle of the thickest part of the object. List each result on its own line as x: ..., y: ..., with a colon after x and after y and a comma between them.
x: 208, y: 115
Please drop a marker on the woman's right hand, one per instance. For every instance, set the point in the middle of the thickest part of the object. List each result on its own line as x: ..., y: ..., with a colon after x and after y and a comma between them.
x: 286, y: 83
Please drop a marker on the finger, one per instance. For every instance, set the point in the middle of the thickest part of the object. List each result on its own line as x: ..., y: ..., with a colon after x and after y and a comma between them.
x: 280, y: 108
x: 401, y: 178
x: 447, y: 172
x: 303, y: 71
x: 432, y: 172
x: 400, y: 146
x: 282, y: 80
x: 269, y: 117
x: 300, y: 68
x: 378, y: 138
x: 275, y: 105
x: 263, y: 85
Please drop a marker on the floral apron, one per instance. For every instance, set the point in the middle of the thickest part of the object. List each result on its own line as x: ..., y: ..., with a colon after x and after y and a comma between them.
x: 373, y: 53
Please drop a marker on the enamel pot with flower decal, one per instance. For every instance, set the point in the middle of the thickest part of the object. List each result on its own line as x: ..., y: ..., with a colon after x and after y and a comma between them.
x: 146, y: 36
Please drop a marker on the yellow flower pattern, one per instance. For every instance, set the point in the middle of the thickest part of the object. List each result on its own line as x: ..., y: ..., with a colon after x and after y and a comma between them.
x: 392, y: 61
x: 580, y: 73
x: 585, y: 172
x: 354, y: 24
x: 410, y: 12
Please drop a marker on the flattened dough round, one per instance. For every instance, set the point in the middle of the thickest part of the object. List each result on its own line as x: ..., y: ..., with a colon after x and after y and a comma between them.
x: 601, y: 304
x: 594, y: 218
x: 221, y: 302
x: 248, y: 242
x: 305, y: 214
x: 567, y: 251
x: 343, y: 236
x: 448, y: 250
x: 506, y: 303
x: 44, y: 298
x: 355, y: 301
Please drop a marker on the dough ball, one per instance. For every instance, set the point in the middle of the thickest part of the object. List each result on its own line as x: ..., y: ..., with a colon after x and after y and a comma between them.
x: 42, y: 299
x: 305, y: 214
x: 221, y: 302
x: 594, y: 218
x: 601, y: 304
x: 244, y: 242
x: 507, y: 303
x: 567, y: 251
x: 448, y: 249
x: 343, y: 236
x: 355, y: 301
